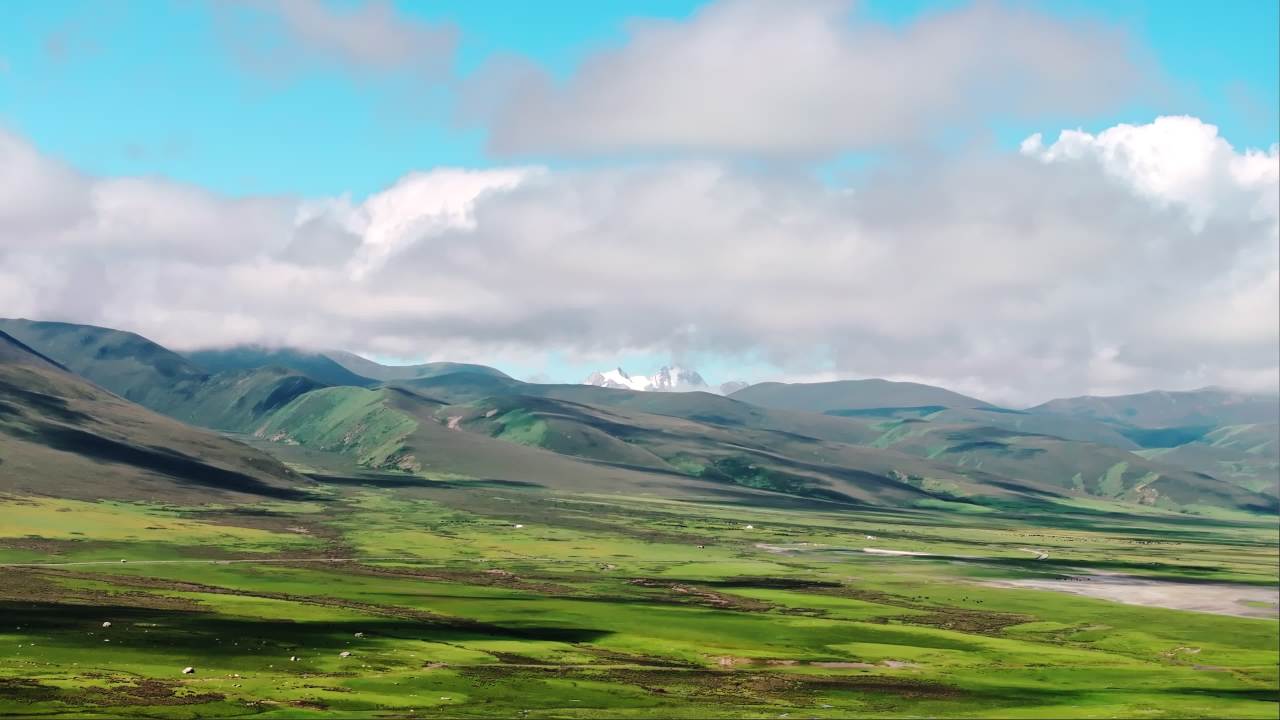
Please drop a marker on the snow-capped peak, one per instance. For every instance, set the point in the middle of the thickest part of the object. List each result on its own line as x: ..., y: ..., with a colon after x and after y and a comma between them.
x: 666, y: 379
x: 619, y: 379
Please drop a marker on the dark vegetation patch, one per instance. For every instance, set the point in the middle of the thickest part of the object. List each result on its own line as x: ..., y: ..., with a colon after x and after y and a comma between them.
x: 284, y: 392
x: 19, y: 585
x: 406, y: 480
x: 967, y: 621
x: 771, y: 583
x: 25, y: 690
x: 136, y: 692
x: 49, y: 405
x: 727, y: 688
x: 434, y: 624
x: 748, y: 472
x: 144, y: 691
x: 1166, y: 437
x: 978, y: 445
x: 192, y: 636
x: 1270, y: 695
x: 1067, y: 568
x: 887, y: 412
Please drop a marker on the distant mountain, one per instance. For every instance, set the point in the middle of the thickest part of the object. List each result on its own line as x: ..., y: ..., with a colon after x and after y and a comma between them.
x: 314, y: 365
x: 733, y: 386
x: 850, y: 396
x: 668, y: 379
x: 1244, y: 454
x: 871, y: 441
x: 1162, y: 409
x: 157, y: 378
x: 62, y: 436
x: 384, y: 373
x: 127, y: 364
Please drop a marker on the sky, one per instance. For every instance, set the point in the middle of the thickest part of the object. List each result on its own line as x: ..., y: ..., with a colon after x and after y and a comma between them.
x: 1015, y: 200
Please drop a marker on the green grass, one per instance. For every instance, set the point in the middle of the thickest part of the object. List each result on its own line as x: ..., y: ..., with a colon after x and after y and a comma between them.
x: 349, y: 420
x: 606, y: 606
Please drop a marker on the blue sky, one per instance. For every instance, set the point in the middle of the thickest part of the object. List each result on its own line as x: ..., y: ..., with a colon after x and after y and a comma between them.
x: 147, y: 88
x: 154, y: 89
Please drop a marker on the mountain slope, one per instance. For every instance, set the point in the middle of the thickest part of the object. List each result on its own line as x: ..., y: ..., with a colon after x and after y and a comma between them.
x: 385, y: 373
x: 127, y: 364
x: 137, y: 369
x: 880, y: 445
x: 62, y: 436
x: 776, y: 461
x: 845, y: 396
x: 1018, y: 448
x: 314, y: 365
x: 1086, y: 468
x: 1246, y: 455
x: 1161, y: 409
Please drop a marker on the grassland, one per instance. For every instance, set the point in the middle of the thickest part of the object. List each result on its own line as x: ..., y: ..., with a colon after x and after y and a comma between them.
x: 462, y: 597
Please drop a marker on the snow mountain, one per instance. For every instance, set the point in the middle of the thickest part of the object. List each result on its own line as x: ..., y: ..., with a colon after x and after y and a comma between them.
x: 667, y: 379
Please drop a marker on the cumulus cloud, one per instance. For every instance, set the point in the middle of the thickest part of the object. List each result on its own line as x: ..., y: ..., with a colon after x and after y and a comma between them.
x: 1141, y: 256
x: 810, y: 79
x: 275, y: 36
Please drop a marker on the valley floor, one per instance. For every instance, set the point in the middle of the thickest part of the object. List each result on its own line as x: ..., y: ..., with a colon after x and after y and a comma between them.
x: 391, y: 597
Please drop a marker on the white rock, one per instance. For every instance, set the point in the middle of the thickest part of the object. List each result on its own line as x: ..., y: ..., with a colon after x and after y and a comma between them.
x: 188, y: 671
x: 106, y: 624
x: 344, y: 653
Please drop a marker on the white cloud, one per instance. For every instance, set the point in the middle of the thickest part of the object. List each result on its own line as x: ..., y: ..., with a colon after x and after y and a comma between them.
x: 275, y: 36
x: 1142, y: 256
x: 811, y: 78
x: 1176, y: 160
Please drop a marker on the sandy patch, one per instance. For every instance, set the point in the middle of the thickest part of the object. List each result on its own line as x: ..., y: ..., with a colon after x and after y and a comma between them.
x: 1217, y: 598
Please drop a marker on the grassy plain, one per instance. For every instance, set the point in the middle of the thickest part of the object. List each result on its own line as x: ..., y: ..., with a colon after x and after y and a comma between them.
x: 466, y: 598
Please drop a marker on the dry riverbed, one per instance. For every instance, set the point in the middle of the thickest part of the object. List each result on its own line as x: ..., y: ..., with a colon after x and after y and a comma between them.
x: 1220, y: 598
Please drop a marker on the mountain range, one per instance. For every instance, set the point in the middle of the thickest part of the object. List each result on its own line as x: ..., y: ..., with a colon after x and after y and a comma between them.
x: 73, y: 390
x: 671, y: 378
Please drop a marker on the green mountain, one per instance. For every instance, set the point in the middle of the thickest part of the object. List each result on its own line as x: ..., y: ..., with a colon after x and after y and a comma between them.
x: 1067, y: 428
x: 384, y: 373
x: 778, y: 461
x: 849, y: 396
x: 1243, y: 454
x: 1209, y: 407
x: 866, y: 442
x: 1084, y: 468
x: 127, y: 364
x: 315, y: 365
x: 63, y: 436
x: 1226, y: 434
x: 140, y: 370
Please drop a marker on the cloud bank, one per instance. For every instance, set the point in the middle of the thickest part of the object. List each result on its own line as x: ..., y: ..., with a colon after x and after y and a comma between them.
x: 770, y: 78
x: 1141, y: 256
